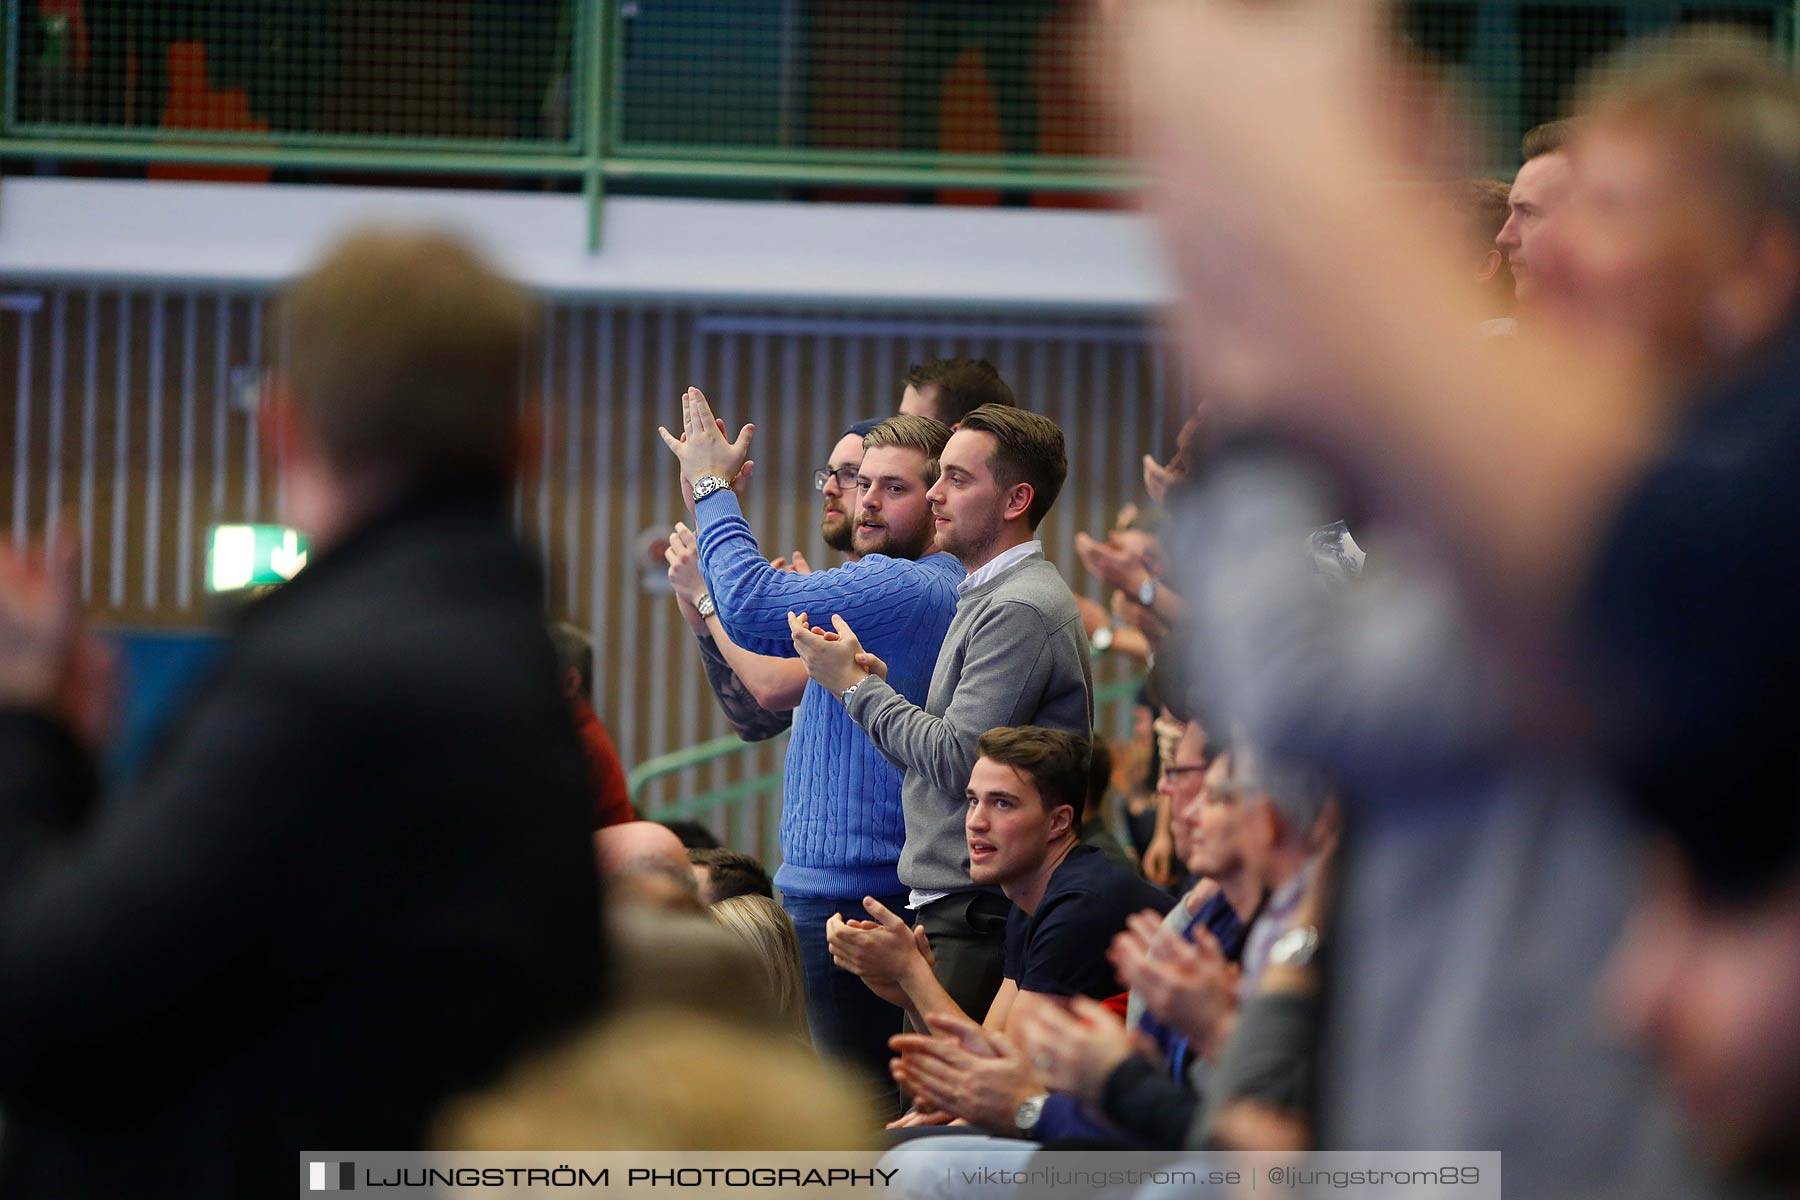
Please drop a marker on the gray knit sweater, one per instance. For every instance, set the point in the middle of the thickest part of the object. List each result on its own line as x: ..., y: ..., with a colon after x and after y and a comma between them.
x: 1015, y: 655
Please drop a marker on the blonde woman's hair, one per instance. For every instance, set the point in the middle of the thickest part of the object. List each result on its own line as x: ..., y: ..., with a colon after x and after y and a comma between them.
x: 674, y: 1080
x: 768, y: 931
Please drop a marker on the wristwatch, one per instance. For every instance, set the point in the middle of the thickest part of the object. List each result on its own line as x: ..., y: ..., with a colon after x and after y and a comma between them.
x: 1295, y: 948
x: 705, y: 606
x: 1030, y: 1111
x: 706, y: 485
x: 851, y: 690
x: 1102, y: 639
x: 1146, y: 590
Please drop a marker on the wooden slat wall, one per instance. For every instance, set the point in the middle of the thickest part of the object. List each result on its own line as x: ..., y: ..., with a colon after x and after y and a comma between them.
x: 118, y: 421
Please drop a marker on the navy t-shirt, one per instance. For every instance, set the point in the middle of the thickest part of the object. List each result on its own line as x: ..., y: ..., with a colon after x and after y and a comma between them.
x: 1060, y: 950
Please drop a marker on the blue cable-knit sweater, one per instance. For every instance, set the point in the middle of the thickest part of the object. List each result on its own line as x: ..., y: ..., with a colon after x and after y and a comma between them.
x: 842, y: 825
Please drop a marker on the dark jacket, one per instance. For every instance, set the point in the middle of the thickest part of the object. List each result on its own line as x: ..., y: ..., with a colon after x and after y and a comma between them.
x: 357, y: 880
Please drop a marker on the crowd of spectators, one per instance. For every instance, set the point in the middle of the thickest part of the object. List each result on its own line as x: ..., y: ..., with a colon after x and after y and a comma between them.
x: 1463, y: 608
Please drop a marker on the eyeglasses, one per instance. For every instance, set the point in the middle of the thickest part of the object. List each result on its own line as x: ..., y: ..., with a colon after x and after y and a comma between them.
x: 846, y: 478
x: 1177, y: 770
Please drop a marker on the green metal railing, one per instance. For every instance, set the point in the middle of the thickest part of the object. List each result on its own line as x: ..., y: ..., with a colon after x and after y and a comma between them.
x: 730, y: 753
x: 928, y: 94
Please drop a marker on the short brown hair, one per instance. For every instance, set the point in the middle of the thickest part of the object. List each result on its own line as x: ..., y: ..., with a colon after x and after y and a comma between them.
x: 407, y: 353
x: 574, y: 652
x: 1056, y: 761
x: 1725, y: 97
x: 909, y: 432
x: 1030, y: 451
x: 1482, y: 206
x: 1552, y: 137
x: 964, y: 385
x: 731, y: 873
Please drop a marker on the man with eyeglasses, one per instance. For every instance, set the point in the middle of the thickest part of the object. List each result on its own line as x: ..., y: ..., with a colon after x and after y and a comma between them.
x: 842, y: 822
x: 759, y: 692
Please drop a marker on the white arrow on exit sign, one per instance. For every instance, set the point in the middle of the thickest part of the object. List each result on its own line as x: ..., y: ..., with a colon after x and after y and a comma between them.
x: 287, y: 559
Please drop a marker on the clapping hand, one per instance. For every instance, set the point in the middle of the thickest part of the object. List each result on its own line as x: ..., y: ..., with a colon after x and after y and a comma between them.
x: 835, y: 658
x: 1187, y: 984
x: 1077, y: 1050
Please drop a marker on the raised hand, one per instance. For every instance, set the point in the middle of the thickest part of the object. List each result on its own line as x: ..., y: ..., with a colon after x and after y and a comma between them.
x: 702, y: 448
x: 1158, y: 479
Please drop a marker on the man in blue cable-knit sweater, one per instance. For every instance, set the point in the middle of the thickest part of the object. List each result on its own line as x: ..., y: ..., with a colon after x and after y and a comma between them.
x: 842, y: 824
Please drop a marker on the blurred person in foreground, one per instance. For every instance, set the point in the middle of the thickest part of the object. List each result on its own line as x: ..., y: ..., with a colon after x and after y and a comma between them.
x: 703, y: 1049
x: 1646, y: 566
x: 358, y: 879
x: 1704, y: 979
x: 670, y: 1082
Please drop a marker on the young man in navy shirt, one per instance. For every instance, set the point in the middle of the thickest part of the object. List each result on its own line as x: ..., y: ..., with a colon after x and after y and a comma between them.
x: 1069, y: 900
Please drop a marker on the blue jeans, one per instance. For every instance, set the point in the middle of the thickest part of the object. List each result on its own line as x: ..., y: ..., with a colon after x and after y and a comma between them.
x: 849, y: 1022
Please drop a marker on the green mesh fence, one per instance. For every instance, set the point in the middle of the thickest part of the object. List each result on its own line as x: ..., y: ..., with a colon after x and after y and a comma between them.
x: 920, y: 78
x: 412, y: 71
x: 891, y: 91
x: 1519, y: 64
x: 949, y: 81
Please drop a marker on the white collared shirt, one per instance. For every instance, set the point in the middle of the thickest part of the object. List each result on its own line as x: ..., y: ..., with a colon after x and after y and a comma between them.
x: 1000, y: 563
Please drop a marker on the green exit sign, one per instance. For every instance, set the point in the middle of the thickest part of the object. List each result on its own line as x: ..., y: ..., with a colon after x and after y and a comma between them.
x: 243, y: 556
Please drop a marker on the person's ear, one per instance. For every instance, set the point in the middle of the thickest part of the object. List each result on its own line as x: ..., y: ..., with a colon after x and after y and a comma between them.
x: 1018, y: 501
x: 1062, y: 819
x: 571, y: 683
x: 1495, y: 260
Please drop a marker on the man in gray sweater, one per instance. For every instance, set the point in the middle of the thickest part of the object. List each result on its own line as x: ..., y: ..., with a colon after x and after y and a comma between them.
x: 1015, y: 654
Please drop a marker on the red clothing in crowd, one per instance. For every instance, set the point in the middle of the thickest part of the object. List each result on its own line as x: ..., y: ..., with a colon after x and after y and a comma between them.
x: 612, y: 803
